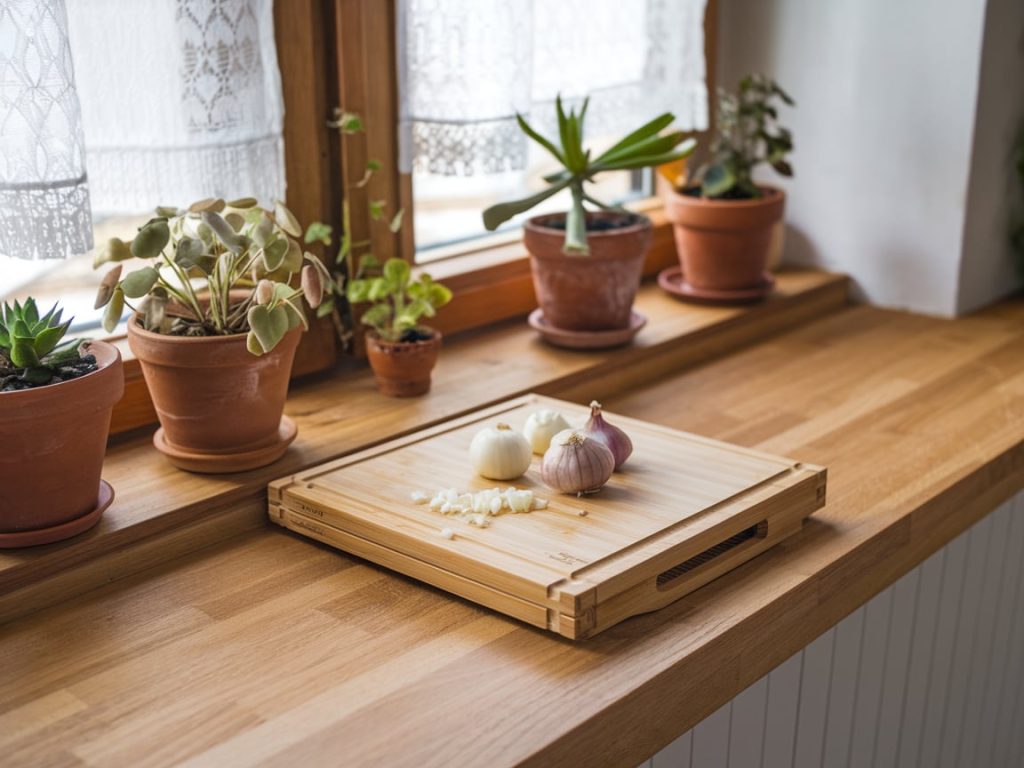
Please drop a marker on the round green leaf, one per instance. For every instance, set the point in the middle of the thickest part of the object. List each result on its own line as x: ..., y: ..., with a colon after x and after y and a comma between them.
x: 151, y: 239
x: 139, y: 283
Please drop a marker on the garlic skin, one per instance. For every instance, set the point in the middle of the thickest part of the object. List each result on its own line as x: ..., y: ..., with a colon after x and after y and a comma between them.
x: 576, y: 463
x: 613, y: 438
x: 500, y: 453
x: 543, y: 425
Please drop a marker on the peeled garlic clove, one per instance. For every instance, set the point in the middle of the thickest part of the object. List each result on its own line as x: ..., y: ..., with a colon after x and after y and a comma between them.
x: 541, y: 426
x: 614, y: 439
x: 576, y: 463
x: 500, y: 453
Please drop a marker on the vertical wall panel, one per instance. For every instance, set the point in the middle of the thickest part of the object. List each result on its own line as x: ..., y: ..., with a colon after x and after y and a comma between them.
x: 746, y: 731
x: 888, y: 724
x: 870, y: 678
x: 930, y: 672
x: 780, y: 717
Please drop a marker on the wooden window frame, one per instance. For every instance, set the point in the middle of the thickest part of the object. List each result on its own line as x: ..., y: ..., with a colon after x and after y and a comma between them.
x: 341, y: 54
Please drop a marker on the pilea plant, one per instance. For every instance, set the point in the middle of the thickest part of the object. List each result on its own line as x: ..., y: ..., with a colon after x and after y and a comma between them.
x: 397, y: 301
x: 199, y: 256
x: 747, y: 134
x: 33, y: 351
x: 645, y: 147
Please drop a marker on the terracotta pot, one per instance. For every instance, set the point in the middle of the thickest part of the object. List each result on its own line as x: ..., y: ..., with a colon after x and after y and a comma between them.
x: 54, y: 439
x: 587, y: 293
x: 220, y: 407
x: 402, y: 369
x: 724, y: 244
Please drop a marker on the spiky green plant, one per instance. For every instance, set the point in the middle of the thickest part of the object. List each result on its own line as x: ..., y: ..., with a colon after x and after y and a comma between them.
x: 32, y: 350
x: 645, y: 147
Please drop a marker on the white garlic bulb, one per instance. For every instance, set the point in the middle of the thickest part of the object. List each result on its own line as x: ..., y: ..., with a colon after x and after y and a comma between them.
x: 500, y: 453
x: 541, y: 426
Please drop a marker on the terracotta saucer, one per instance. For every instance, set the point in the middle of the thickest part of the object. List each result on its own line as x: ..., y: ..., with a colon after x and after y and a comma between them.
x: 671, y: 280
x: 63, y: 531
x: 562, y: 337
x: 226, y: 463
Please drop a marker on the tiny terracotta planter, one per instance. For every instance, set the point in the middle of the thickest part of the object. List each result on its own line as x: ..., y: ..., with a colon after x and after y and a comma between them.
x: 724, y: 245
x: 403, y: 368
x: 54, y: 439
x: 220, y: 407
x: 587, y: 293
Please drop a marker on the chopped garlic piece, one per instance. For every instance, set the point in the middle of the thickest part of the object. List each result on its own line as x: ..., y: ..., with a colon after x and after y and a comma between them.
x: 419, y: 497
x: 448, y: 533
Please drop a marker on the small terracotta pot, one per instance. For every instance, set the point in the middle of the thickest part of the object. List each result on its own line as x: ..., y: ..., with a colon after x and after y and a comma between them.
x: 54, y: 439
x: 724, y: 244
x: 402, y: 369
x: 587, y: 293
x: 214, y: 398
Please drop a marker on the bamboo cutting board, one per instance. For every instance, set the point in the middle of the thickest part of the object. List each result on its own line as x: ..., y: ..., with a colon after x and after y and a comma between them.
x: 683, y: 511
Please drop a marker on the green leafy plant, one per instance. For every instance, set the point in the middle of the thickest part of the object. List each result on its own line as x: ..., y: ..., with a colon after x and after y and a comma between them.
x: 199, y: 256
x: 33, y: 351
x: 747, y: 134
x: 643, y: 148
x: 397, y: 301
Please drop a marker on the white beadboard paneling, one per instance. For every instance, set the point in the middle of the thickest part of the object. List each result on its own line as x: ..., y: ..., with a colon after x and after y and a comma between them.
x: 930, y: 672
x: 915, y: 695
x: 710, y: 746
x: 676, y: 754
x: 885, y: 743
x: 746, y: 729
x: 870, y: 677
x: 815, y: 677
x: 985, y: 633
x: 780, y: 716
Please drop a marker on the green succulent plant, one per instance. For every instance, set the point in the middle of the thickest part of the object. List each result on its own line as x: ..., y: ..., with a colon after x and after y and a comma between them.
x: 397, y: 301
x: 645, y: 147
x: 32, y: 347
x: 198, y: 256
x: 747, y: 134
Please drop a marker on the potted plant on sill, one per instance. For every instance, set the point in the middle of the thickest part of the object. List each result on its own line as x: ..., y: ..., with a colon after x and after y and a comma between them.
x: 216, y: 327
x: 402, y: 351
x: 723, y: 220
x: 587, y: 265
x: 56, y: 398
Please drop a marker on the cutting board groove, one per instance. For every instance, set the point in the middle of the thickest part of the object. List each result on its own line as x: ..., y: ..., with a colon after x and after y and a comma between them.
x: 683, y: 511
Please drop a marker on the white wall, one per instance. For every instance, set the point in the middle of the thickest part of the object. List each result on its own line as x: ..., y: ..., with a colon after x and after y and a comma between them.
x: 988, y: 268
x: 929, y: 673
x: 886, y: 93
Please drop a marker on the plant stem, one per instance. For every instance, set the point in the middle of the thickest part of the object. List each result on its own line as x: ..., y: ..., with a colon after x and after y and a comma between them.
x: 576, y: 223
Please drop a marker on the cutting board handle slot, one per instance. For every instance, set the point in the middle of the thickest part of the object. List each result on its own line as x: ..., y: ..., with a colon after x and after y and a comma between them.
x: 704, y: 559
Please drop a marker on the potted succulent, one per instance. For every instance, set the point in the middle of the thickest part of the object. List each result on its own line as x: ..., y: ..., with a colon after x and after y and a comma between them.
x: 215, y: 327
x: 56, y: 397
x: 723, y: 220
x: 402, y: 351
x: 587, y: 264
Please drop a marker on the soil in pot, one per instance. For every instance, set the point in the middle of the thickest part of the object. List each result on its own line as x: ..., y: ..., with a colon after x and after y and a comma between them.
x: 54, y: 440
x: 216, y: 400
x: 403, y: 368
x: 723, y: 245
x: 594, y: 292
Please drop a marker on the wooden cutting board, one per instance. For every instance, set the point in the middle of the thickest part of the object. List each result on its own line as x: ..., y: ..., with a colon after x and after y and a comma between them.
x: 683, y: 511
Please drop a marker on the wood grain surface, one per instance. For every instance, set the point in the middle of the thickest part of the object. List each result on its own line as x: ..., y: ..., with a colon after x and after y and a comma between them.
x: 581, y: 564
x: 340, y: 412
x: 269, y: 649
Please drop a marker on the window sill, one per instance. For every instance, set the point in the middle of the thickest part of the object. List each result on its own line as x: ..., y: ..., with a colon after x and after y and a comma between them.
x: 160, y: 512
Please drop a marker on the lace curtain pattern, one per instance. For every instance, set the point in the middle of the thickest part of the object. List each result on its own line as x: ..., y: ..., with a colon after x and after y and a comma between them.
x: 467, y: 66
x: 44, y: 201
x: 181, y: 100
x: 168, y: 101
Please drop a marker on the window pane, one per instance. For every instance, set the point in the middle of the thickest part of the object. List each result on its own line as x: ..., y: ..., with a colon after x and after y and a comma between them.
x: 447, y: 209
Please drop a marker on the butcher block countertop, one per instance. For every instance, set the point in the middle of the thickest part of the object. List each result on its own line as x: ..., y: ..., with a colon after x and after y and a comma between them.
x: 259, y: 647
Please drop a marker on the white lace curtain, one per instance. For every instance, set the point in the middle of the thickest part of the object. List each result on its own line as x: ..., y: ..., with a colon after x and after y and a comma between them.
x: 467, y: 66
x: 180, y: 100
